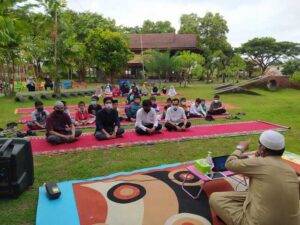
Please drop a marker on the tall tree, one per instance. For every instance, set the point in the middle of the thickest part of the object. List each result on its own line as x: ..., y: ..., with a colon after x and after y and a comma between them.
x: 158, y: 63
x: 185, y: 63
x: 157, y: 27
x: 10, y: 39
x: 108, y: 50
x: 54, y: 9
x: 189, y: 24
x: 213, y: 43
x: 266, y: 51
x: 291, y: 66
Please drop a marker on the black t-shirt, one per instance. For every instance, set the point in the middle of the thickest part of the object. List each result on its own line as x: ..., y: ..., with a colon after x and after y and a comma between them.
x: 107, y: 120
x: 93, y: 109
x: 155, y: 90
x: 215, y: 105
x: 58, y: 122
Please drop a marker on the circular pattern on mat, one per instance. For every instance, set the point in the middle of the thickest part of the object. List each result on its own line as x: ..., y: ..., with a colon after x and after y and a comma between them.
x: 126, y: 193
x: 187, y: 219
x: 178, y: 177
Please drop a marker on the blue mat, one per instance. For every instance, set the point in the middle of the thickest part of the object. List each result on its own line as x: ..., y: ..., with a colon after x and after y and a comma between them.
x: 63, y: 211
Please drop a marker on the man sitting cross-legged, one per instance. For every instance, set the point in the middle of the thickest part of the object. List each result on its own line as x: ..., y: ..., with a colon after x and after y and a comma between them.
x: 59, y: 127
x: 146, y: 120
x: 176, y: 119
x: 107, y: 122
x: 216, y: 107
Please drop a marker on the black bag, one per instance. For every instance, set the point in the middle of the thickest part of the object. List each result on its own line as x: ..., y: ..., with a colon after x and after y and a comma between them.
x: 16, y: 166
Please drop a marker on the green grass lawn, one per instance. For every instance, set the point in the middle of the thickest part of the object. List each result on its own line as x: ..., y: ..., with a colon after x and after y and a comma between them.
x: 278, y: 107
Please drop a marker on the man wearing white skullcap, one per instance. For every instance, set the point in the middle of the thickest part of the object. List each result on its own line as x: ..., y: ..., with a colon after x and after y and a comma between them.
x: 273, y: 194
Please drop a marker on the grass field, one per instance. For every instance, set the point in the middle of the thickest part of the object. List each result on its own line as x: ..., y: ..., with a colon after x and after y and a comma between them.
x: 279, y: 107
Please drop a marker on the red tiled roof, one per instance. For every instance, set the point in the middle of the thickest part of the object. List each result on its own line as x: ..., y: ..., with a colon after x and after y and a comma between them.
x: 163, y: 41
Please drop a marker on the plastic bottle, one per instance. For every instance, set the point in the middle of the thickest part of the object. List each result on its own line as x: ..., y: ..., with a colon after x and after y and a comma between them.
x: 209, y: 158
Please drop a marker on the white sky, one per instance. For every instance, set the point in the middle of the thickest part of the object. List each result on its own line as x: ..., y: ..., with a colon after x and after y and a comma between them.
x: 246, y: 18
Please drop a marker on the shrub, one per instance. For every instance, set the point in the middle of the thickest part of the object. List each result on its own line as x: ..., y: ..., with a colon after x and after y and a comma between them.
x: 296, y: 77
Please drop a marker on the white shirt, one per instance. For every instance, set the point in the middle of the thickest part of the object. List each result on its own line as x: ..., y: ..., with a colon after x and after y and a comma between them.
x: 194, y: 110
x: 200, y: 111
x: 172, y: 92
x: 143, y: 118
x: 175, y: 116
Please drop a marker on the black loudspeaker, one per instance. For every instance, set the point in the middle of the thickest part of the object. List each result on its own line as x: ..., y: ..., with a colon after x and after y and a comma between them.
x: 16, y: 166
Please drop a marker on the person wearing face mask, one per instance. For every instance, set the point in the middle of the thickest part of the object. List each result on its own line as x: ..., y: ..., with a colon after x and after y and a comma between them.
x: 195, y: 109
x: 94, y: 107
x: 154, y: 104
x: 183, y: 104
x: 168, y: 105
x: 59, y: 126
x: 146, y: 120
x: 82, y: 117
x: 132, y: 109
x: 273, y: 194
x: 38, y: 117
x: 176, y: 119
x: 107, y: 122
x: 216, y: 107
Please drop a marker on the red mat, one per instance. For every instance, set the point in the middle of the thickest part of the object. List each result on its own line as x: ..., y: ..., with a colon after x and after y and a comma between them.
x: 88, y: 141
x: 73, y: 108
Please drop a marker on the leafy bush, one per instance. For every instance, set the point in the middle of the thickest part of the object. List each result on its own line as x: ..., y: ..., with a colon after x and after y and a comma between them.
x: 296, y: 77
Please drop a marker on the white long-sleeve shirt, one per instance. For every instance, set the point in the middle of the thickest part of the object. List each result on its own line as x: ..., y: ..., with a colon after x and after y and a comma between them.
x: 175, y: 116
x: 197, y: 110
x: 194, y: 110
x: 143, y: 118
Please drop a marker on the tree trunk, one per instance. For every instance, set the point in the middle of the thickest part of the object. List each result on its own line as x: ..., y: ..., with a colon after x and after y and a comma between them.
x: 82, y: 73
x: 223, y: 78
x: 263, y: 69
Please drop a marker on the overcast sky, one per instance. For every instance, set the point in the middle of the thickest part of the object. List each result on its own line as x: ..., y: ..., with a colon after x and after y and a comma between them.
x: 246, y: 18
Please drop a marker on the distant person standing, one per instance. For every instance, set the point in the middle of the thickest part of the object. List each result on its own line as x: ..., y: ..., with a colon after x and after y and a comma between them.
x: 48, y: 83
x: 30, y: 84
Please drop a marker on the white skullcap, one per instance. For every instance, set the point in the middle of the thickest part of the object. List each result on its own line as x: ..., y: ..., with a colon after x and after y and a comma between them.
x: 59, y: 104
x: 272, y: 140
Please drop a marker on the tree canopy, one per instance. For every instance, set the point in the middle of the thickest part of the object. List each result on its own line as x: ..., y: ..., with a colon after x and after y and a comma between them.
x: 108, y: 50
x: 266, y: 51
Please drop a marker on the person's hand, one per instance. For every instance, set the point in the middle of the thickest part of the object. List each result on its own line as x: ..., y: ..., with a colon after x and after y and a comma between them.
x: 244, y: 145
x: 68, y: 128
x: 151, y: 130
x: 70, y: 137
x: 113, y: 135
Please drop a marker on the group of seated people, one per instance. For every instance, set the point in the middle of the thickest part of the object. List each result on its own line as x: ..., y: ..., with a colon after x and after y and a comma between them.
x: 125, y: 90
x: 60, y: 128
x: 199, y: 108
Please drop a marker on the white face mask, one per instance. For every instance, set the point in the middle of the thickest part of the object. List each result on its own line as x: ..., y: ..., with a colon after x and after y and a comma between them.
x: 216, y: 100
x: 94, y: 102
x: 108, y: 105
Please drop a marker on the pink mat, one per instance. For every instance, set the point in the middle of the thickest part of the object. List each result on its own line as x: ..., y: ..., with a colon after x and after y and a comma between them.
x: 73, y: 108
x: 88, y: 142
